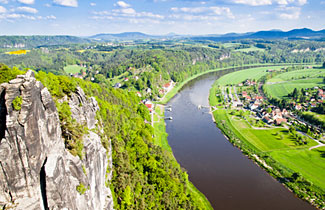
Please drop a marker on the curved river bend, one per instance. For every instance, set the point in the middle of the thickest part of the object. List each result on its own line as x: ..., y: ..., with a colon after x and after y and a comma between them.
x: 220, y: 171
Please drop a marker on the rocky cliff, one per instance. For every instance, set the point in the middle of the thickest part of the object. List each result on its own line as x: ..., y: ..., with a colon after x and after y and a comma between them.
x: 36, y: 171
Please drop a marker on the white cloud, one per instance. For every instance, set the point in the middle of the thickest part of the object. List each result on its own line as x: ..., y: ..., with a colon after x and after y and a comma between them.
x: 270, y: 2
x: 253, y: 2
x: 289, y: 13
x: 67, y: 3
x: 209, y: 11
x: 27, y: 1
x: 2, y: 9
x: 122, y: 4
x: 92, y: 4
x: 27, y: 10
x: 4, y: 1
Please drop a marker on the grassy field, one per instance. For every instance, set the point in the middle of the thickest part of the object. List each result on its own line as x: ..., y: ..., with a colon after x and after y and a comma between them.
x: 298, y: 74
x: 18, y: 52
x: 310, y: 163
x: 282, y: 89
x: 73, y: 69
x: 238, y: 77
x: 251, y: 49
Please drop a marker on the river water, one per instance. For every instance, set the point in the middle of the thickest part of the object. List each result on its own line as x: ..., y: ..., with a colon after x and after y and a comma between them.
x: 220, y: 171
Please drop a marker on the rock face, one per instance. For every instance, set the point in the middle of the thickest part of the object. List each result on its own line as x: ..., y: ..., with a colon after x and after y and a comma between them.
x: 36, y: 171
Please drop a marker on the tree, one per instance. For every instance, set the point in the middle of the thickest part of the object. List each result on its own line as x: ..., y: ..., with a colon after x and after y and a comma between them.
x: 324, y: 65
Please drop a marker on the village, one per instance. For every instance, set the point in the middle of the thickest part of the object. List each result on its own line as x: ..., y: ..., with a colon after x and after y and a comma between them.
x: 259, y: 112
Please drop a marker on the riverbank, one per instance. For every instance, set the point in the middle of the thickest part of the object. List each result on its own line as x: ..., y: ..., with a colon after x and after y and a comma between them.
x: 267, y: 155
x: 160, y: 139
x: 179, y: 86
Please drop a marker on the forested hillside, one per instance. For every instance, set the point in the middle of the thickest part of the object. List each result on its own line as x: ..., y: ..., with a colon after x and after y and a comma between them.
x: 144, y: 175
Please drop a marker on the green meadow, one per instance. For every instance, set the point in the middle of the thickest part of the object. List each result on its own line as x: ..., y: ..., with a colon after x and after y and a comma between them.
x: 282, y: 89
x: 72, y: 69
x: 240, y: 76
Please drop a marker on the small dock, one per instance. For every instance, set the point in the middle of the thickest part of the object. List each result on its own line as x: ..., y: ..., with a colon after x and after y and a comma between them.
x: 201, y: 106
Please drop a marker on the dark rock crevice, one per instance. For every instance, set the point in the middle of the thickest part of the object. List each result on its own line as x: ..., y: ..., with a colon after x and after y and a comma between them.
x: 43, y: 185
x: 3, y: 113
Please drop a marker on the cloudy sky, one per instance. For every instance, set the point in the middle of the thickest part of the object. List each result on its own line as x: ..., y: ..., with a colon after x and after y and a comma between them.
x: 88, y: 17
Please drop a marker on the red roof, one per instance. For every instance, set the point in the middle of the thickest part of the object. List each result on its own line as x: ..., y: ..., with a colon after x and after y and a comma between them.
x: 167, y: 85
x: 149, y: 106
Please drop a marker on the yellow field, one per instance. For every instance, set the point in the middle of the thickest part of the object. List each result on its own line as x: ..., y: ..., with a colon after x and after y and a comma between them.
x: 18, y: 52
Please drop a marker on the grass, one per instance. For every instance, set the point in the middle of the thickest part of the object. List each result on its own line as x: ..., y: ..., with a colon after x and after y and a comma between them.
x: 240, y: 76
x: 159, y: 126
x: 281, y: 90
x: 18, y: 52
x: 251, y: 49
x: 298, y: 74
x: 199, y: 196
x: 72, y: 69
x: 310, y: 163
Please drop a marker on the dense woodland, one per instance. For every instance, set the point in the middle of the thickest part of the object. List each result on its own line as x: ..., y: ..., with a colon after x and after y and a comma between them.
x: 144, y: 176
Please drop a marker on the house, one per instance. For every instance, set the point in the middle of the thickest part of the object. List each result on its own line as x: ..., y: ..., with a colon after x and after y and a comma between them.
x: 126, y: 79
x: 254, y: 106
x: 148, y: 104
x: 240, y: 84
x: 279, y: 121
x: 168, y: 86
x: 313, y: 105
x: 259, y: 98
x: 148, y: 90
x: 276, y: 114
x: 139, y: 94
x: 267, y: 120
x: 150, y: 107
x: 117, y: 85
x: 285, y: 113
x: 298, y: 107
x: 248, y: 98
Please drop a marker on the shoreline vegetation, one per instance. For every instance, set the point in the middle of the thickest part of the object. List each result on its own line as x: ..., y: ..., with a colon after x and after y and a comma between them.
x: 293, y: 180
x: 161, y: 134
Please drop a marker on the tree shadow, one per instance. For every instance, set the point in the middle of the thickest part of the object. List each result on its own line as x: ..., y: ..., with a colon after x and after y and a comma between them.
x: 322, y: 153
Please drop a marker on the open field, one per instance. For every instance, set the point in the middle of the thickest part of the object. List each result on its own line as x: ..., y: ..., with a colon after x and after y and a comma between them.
x: 240, y: 76
x: 310, y: 163
x: 298, y: 74
x: 282, y: 89
x: 18, y: 52
x: 73, y: 69
x: 250, y: 49
x: 264, y: 140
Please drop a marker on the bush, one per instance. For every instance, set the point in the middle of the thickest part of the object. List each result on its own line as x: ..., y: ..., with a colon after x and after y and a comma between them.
x: 81, y: 189
x: 17, y: 102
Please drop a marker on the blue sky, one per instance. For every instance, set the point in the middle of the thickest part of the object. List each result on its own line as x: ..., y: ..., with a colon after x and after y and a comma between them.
x: 88, y: 17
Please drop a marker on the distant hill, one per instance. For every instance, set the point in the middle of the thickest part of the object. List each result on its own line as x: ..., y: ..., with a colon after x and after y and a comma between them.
x: 303, y: 33
x: 36, y: 41
x: 124, y: 36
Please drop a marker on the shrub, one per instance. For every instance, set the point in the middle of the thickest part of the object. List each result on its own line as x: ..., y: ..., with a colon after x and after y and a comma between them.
x: 17, y: 102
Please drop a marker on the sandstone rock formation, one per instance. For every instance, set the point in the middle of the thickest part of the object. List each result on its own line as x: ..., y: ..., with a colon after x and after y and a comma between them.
x: 36, y: 171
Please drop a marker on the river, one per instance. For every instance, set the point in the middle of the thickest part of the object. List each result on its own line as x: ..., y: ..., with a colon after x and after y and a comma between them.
x: 220, y: 171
